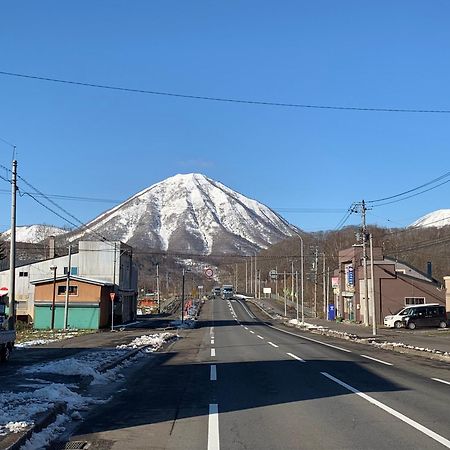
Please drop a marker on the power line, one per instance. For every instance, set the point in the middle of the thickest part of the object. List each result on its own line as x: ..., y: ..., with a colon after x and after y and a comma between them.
x: 445, y: 175
x: 412, y: 195
x: 224, y: 99
x: 71, y: 197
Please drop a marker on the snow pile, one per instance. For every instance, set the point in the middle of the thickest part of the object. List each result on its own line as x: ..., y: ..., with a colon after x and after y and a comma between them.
x: 186, y: 324
x: 45, y: 437
x: 152, y: 341
x: 53, y: 337
x: 83, y: 364
x: 388, y: 345
x: 19, y: 409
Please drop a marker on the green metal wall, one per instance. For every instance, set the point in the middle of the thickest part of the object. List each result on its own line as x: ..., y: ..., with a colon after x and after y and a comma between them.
x: 81, y: 317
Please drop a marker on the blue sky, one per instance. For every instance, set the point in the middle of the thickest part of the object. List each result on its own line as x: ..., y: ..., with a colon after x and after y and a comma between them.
x: 86, y: 142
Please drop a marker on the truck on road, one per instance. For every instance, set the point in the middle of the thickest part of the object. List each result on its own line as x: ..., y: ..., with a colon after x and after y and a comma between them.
x: 7, y: 337
x: 227, y: 291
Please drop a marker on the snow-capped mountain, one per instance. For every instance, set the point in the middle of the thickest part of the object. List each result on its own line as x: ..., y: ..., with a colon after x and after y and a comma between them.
x: 33, y: 233
x: 190, y: 213
x: 438, y: 219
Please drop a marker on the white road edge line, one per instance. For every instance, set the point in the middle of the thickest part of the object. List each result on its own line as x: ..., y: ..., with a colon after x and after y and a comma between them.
x: 273, y: 345
x: 213, y: 427
x: 377, y: 360
x: 247, y: 310
x: 259, y: 336
x: 437, y: 437
x: 295, y: 357
x: 213, y: 373
x: 310, y: 339
x: 213, y: 352
x: 441, y: 381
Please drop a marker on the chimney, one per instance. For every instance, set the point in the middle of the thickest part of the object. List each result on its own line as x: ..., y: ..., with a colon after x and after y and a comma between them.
x: 51, y: 247
x: 429, y: 269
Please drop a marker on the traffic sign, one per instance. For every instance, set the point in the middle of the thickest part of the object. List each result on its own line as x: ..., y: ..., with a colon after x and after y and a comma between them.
x: 3, y: 291
x: 273, y: 274
x: 209, y: 272
x: 112, y: 295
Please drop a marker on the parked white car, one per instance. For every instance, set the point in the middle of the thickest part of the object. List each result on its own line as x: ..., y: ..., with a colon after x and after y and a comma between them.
x: 396, y: 320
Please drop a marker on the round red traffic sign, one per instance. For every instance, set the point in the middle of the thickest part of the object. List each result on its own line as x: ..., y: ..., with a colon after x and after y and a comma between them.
x: 209, y: 272
x: 3, y: 291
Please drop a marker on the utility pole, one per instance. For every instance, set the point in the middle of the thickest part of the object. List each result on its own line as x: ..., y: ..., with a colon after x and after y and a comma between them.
x: 256, y: 279
x: 66, y: 303
x: 374, y: 315
x: 364, y: 246
x: 246, y: 275
x: 296, y: 295
x: 324, y: 293
x: 292, y: 281
x: 251, y: 274
x: 182, y: 297
x: 12, y: 251
x: 316, y: 262
x: 284, y: 293
x: 328, y: 289
x: 276, y: 283
x: 302, y: 268
x: 158, y: 299
x: 236, y: 278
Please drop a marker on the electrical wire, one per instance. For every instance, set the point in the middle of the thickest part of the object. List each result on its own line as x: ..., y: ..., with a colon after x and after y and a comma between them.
x: 411, y: 196
x: 445, y: 175
x: 224, y: 99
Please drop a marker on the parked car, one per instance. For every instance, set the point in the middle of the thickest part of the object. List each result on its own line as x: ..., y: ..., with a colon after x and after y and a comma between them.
x: 426, y: 316
x: 396, y: 320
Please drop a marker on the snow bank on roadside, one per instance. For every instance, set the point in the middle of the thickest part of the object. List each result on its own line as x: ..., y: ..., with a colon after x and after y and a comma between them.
x: 153, y: 341
x: 53, y: 337
x: 43, y: 438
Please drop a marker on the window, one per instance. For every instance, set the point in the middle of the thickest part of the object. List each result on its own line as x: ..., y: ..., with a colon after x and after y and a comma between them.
x: 414, y: 300
x: 73, y: 290
x: 73, y: 270
x: 23, y: 274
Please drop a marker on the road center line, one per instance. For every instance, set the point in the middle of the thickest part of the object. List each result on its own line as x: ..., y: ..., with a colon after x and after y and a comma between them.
x: 295, y: 357
x: 377, y: 360
x: 272, y: 344
x: 437, y: 437
x: 252, y: 332
x: 213, y: 427
x: 213, y: 373
x: 441, y: 381
x: 246, y: 328
x: 259, y: 336
x: 213, y: 352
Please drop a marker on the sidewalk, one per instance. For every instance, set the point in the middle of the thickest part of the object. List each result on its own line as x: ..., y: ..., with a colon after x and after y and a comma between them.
x: 425, y: 338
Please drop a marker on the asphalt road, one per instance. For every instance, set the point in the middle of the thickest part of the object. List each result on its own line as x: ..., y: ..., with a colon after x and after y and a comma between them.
x: 236, y: 383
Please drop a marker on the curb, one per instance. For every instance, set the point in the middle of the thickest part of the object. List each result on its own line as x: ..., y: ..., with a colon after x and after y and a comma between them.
x: 15, y: 440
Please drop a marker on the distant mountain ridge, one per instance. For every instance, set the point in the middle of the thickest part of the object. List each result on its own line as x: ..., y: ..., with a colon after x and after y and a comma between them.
x: 33, y: 233
x: 438, y: 219
x: 190, y: 213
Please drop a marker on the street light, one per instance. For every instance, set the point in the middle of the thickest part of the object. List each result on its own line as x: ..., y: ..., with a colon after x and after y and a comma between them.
x: 53, y: 267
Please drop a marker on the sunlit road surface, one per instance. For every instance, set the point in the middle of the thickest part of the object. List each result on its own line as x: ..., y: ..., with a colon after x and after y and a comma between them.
x: 236, y: 383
